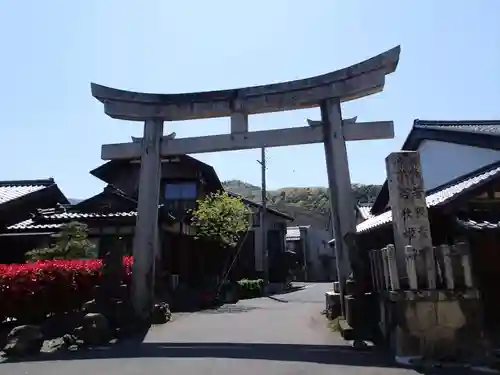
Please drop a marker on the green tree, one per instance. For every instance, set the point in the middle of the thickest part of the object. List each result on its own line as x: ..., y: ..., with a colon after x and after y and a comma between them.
x: 315, y: 199
x: 221, y: 218
x: 70, y: 243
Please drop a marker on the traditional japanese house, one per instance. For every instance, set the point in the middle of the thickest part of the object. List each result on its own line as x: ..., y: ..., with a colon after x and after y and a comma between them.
x: 111, y: 215
x: 17, y: 200
x: 184, y: 180
x: 460, y: 164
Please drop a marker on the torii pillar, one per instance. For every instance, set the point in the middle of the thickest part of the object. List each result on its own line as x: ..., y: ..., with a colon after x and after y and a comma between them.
x: 146, y: 244
x: 340, y: 189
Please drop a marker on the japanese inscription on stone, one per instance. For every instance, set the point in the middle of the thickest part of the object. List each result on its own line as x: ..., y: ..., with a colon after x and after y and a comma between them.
x: 408, y: 205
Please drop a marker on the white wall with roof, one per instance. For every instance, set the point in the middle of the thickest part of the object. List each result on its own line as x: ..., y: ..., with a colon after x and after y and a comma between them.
x: 443, y: 162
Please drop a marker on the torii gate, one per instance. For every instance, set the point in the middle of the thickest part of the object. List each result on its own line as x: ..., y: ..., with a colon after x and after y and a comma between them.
x: 326, y: 91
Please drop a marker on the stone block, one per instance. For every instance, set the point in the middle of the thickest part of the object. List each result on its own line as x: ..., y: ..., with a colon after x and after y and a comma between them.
x: 24, y: 340
x: 444, y: 327
x: 332, y: 305
x: 346, y: 331
x: 336, y: 287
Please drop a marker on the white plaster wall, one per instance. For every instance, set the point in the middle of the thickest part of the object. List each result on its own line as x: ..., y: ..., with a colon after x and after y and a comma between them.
x: 443, y: 162
x: 318, y: 245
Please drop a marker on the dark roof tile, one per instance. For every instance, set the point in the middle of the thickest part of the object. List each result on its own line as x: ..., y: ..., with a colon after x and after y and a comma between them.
x: 491, y: 127
x: 30, y: 224
x: 59, y: 218
x: 438, y: 197
x: 10, y: 190
x: 476, y: 133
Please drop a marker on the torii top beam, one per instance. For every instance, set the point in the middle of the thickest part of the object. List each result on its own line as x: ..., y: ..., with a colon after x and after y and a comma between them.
x: 354, y: 82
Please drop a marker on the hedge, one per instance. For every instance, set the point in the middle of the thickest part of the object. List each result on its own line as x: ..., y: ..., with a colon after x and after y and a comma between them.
x: 31, y: 291
x: 251, y: 288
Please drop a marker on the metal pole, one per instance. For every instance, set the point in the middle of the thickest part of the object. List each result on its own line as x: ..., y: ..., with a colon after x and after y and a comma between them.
x: 305, y: 248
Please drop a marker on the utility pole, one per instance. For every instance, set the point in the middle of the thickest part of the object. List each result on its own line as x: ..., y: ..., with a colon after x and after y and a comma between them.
x: 263, y: 229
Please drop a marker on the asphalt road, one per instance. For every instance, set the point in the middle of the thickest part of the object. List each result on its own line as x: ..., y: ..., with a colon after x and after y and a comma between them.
x: 285, y: 335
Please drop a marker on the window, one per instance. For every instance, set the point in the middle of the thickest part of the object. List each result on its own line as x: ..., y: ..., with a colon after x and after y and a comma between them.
x: 180, y: 190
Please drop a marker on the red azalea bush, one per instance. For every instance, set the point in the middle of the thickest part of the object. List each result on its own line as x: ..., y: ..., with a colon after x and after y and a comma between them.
x: 31, y: 291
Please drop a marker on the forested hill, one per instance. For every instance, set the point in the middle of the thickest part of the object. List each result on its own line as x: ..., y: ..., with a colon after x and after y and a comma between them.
x: 312, y: 198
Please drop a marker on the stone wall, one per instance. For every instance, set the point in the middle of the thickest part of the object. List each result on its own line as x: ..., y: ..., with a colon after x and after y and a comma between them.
x: 419, y: 321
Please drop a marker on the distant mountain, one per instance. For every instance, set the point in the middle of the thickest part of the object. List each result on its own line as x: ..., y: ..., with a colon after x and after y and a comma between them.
x: 310, y: 198
x: 74, y: 200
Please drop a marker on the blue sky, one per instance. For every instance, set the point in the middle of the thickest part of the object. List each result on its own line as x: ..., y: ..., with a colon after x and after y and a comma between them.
x: 51, y: 51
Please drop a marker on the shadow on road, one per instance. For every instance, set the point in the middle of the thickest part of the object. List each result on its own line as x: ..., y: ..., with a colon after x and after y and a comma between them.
x: 324, y: 354
x: 321, y: 354
x: 295, y: 288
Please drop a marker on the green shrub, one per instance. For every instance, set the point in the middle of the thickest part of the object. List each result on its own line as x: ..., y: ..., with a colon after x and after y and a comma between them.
x: 70, y: 243
x: 251, y: 288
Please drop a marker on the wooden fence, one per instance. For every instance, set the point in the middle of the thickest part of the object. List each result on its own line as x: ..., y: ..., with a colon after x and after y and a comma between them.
x: 442, y: 267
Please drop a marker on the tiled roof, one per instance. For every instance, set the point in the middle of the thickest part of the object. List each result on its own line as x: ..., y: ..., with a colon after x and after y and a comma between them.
x: 106, y: 172
x: 491, y: 127
x: 438, y: 197
x: 62, y: 217
x: 108, y: 190
x: 479, y: 225
x: 30, y: 224
x: 10, y: 190
x: 364, y: 210
x: 88, y: 215
x: 476, y: 133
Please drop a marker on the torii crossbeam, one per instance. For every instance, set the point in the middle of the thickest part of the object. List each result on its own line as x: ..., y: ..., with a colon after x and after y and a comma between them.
x: 327, y: 91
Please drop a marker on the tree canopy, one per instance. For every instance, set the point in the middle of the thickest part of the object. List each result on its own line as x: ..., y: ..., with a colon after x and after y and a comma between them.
x: 222, y: 218
x: 315, y: 199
